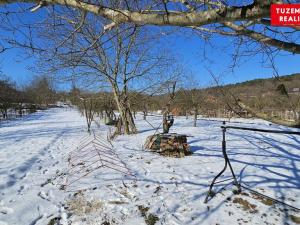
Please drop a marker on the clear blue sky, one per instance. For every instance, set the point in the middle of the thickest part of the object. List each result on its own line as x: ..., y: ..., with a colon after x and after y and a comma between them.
x: 188, y: 48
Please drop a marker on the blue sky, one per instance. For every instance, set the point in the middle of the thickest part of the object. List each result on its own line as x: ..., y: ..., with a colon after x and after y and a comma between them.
x: 188, y: 49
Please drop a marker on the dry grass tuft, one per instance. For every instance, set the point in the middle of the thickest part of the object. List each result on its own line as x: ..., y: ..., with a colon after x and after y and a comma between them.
x: 264, y: 200
x: 80, y: 206
x: 295, y: 219
x: 247, y: 206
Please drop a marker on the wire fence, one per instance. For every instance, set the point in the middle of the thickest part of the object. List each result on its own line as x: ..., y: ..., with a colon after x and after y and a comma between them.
x: 93, y: 154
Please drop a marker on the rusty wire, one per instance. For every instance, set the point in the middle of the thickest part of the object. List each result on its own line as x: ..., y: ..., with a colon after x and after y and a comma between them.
x: 92, y: 154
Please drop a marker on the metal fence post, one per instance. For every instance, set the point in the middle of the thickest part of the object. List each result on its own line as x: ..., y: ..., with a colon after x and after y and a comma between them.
x: 227, y: 161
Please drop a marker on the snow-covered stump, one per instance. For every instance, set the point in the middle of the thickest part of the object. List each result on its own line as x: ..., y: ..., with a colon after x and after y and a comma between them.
x: 172, y: 145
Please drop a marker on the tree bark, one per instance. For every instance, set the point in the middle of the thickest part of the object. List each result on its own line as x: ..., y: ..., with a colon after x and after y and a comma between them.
x: 166, y: 126
x: 130, y: 119
x: 125, y: 113
x: 256, y: 10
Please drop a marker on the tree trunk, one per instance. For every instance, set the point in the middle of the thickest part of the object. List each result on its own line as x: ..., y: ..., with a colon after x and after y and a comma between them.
x: 165, y: 123
x: 125, y: 113
x: 88, y: 114
x: 130, y: 119
x: 5, y: 114
x: 125, y: 123
x: 195, y: 117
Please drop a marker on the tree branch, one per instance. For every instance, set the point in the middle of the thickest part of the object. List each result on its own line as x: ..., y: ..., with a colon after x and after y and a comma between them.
x: 256, y: 10
x: 287, y: 46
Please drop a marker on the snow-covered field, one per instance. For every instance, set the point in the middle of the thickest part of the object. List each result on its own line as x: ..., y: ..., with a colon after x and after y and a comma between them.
x: 34, y: 154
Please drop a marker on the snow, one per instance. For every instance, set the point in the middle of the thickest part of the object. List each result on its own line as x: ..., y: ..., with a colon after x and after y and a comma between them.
x: 34, y: 153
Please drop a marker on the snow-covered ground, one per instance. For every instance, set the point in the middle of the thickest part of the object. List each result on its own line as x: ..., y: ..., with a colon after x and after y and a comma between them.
x: 34, y: 153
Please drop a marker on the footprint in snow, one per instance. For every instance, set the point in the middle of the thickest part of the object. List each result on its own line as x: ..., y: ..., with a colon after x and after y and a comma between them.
x: 22, y: 177
x: 47, y: 196
x: 21, y: 189
x: 54, y: 164
x: 4, y: 209
x: 35, y: 221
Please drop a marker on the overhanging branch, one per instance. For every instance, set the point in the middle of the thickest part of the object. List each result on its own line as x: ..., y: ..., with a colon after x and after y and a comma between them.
x: 287, y: 46
x: 194, y: 18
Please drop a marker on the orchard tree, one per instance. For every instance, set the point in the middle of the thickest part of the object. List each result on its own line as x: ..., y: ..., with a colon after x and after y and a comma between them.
x: 9, y: 95
x: 190, y: 97
x: 41, y: 91
x: 115, y: 59
x: 247, y: 24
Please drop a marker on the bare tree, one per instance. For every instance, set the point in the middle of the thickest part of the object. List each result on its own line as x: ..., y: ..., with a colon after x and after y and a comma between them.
x: 89, y: 112
x: 196, y: 97
x: 191, y: 96
x: 41, y: 91
x: 110, y: 59
x: 246, y: 23
x: 105, y: 108
x: 168, y: 120
x: 9, y: 96
x: 141, y: 102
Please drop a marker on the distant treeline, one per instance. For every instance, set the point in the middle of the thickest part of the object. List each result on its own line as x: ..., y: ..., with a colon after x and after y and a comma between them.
x: 39, y: 94
x: 274, y: 96
x: 277, y: 97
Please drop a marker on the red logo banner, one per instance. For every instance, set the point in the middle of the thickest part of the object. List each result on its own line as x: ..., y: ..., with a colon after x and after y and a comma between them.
x: 285, y: 14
